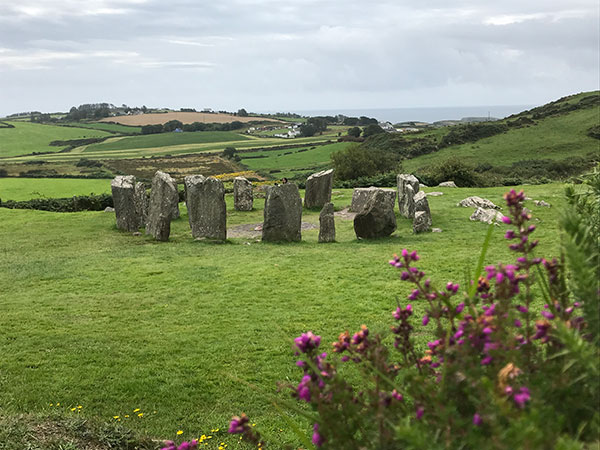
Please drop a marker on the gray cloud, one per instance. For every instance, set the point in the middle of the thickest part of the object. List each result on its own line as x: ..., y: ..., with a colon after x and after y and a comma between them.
x: 267, y: 54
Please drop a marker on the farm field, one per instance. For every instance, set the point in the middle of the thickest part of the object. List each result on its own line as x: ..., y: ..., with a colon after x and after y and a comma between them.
x: 555, y: 138
x: 184, y: 117
x: 26, y: 137
x: 190, y: 332
x: 29, y: 188
x: 290, y: 161
x: 111, y: 127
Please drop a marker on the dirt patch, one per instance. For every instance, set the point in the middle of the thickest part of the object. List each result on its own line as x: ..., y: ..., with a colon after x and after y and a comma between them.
x: 345, y: 214
x: 183, y: 117
x: 254, y: 230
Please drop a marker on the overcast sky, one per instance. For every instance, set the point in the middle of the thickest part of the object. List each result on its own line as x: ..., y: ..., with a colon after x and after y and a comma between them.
x: 273, y: 55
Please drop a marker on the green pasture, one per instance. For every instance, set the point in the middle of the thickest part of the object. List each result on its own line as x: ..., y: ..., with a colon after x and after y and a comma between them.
x: 191, y: 332
x: 111, y: 127
x: 27, y: 137
x: 19, y: 189
x: 292, y: 160
x: 556, y: 137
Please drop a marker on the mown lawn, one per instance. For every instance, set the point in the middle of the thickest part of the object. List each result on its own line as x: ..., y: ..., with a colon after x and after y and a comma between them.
x: 191, y: 333
x: 26, y: 137
x: 29, y: 188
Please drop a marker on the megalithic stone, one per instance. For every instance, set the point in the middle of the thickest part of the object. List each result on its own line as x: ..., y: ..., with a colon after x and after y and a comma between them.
x: 360, y: 197
x: 123, y: 193
x: 242, y: 194
x: 207, y: 212
x: 377, y: 218
x: 163, y: 198
x: 327, y: 224
x: 282, y: 214
x: 405, y: 196
x: 318, y: 189
x: 142, y: 203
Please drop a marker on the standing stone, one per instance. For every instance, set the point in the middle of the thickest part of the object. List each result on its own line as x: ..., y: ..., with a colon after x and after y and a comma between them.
x: 123, y: 193
x: 318, y: 189
x: 142, y: 203
x: 282, y: 214
x: 405, y: 195
x: 242, y: 194
x: 176, y: 213
x: 327, y: 224
x: 421, y: 222
x: 421, y: 202
x: 360, y: 197
x: 163, y: 199
x: 377, y: 218
x: 205, y: 200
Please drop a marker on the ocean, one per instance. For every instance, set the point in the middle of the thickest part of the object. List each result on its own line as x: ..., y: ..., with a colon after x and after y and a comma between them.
x: 396, y: 115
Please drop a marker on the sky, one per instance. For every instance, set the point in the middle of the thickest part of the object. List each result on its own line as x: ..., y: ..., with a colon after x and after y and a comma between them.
x: 273, y: 55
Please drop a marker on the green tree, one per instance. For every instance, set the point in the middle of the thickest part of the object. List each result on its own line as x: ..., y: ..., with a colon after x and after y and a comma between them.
x: 354, y: 132
x: 229, y: 152
x: 172, y: 125
x: 242, y: 112
x: 354, y: 162
x: 372, y: 129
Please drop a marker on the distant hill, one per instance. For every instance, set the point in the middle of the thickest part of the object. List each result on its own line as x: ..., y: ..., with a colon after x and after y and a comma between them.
x: 553, y: 141
x: 184, y: 117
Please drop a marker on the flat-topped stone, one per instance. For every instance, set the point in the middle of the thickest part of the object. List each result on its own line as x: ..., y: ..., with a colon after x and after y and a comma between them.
x: 318, y: 189
x: 360, y: 197
x: 486, y: 216
x: 449, y: 184
x: 477, y: 202
x: 243, y: 198
x: 123, y: 193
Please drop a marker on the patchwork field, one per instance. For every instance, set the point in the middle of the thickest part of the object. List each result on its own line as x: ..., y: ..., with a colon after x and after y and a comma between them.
x: 29, y: 188
x: 26, y: 137
x: 184, y: 117
x: 181, y: 335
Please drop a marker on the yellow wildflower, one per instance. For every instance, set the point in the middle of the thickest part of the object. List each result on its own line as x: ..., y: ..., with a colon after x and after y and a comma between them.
x: 179, y: 432
x: 141, y: 415
x: 115, y: 417
x: 136, y: 409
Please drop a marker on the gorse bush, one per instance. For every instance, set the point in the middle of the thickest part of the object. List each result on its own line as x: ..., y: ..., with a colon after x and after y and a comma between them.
x: 496, y: 374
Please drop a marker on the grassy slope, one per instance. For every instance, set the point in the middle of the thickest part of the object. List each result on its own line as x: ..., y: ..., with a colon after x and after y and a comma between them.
x: 113, y: 127
x: 296, y: 160
x: 29, y: 188
x: 29, y: 137
x: 113, y: 322
x: 555, y: 137
x: 165, y: 140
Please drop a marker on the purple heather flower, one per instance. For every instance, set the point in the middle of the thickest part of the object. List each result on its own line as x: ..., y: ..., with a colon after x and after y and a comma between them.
x: 522, y: 397
x: 396, y: 395
x: 510, y: 234
x: 459, y: 334
x: 404, y: 253
x: 547, y: 314
x: 408, y: 308
x: 345, y: 358
x: 414, y: 294
x: 169, y: 445
x: 459, y: 308
x: 414, y: 256
x: 307, y: 341
x: 425, y: 319
x: 569, y: 310
x: 303, y: 389
x: 487, y: 360
x: 477, y: 420
x: 488, y: 330
x: 508, y: 390
x: 522, y: 309
x: 518, y: 323
x: 238, y: 424
x: 419, y: 412
x: 317, y: 439
x: 404, y: 276
x: 506, y: 220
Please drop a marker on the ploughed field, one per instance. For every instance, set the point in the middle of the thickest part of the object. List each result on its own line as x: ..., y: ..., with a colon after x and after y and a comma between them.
x: 191, y: 332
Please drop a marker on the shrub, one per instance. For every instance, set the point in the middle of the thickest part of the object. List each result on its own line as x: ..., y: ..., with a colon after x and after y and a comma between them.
x: 497, y: 374
x: 452, y: 169
x: 472, y: 132
x: 354, y: 162
x: 74, y: 204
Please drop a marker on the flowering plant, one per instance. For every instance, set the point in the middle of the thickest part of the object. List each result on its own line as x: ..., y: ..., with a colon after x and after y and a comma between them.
x: 497, y: 374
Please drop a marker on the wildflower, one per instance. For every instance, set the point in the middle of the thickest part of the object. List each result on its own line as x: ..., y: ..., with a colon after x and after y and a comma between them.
x: 307, y: 341
x: 317, y: 438
x: 419, y: 413
x: 477, y: 420
x: 136, y: 410
x: 141, y: 414
x: 459, y: 308
x: 303, y: 389
x: 487, y: 360
x: 425, y: 319
x: 180, y: 432
x: 238, y: 424
x: 522, y: 397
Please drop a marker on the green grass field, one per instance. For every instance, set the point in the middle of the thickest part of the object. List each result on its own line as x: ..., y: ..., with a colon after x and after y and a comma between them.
x: 190, y: 332
x: 291, y: 161
x: 112, y: 127
x: 26, y: 137
x: 165, y: 140
x: 555, y: 138
x: 29, y: 188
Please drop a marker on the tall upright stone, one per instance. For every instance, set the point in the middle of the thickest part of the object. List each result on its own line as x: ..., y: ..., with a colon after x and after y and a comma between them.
x: 123, y: 193
x: 142, y: 203
x: 318, y: 189
x: 423, y: 222
x: 360, y: 197
x: 327, y: 224
x: 377, y: 218
x: 207, y: 212
x: 282, y: 214
x: 163, y: 199
x: 406, y: 195
x: 242, y: 194
x: 176, y: 214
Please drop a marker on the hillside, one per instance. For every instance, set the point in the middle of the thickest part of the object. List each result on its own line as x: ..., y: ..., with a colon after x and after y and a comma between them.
x: 183, y: 117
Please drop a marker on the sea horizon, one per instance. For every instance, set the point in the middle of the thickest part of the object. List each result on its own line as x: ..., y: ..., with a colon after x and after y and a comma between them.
x: 422, y: 114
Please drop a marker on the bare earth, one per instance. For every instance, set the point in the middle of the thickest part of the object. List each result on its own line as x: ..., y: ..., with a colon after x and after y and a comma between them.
x: 183, y: 117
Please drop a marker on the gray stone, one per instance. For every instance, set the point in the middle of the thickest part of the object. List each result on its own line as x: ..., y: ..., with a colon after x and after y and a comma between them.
x: 421, y: 202
x: 327, y: 224
x: 421, y: 186
x: 360, y: 197
x: 421, y: 222
x: 123, y: 193
x: 163, y: 199
x: 486, y: 215
x: 542, y: 203
x: 405, y: 195
x: 109, y: 209
x: 449, y: 184
x: 377, y: 218
x: 406, y: 201
x: 142, y: 203
x: 207, y: 212
x: 436, y: 230
x: 477, y: 202
x: 176, y: 213
x: 434, y: 194
x: 282, y: 214
x: 318, y: 189
x: 242, y: 194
